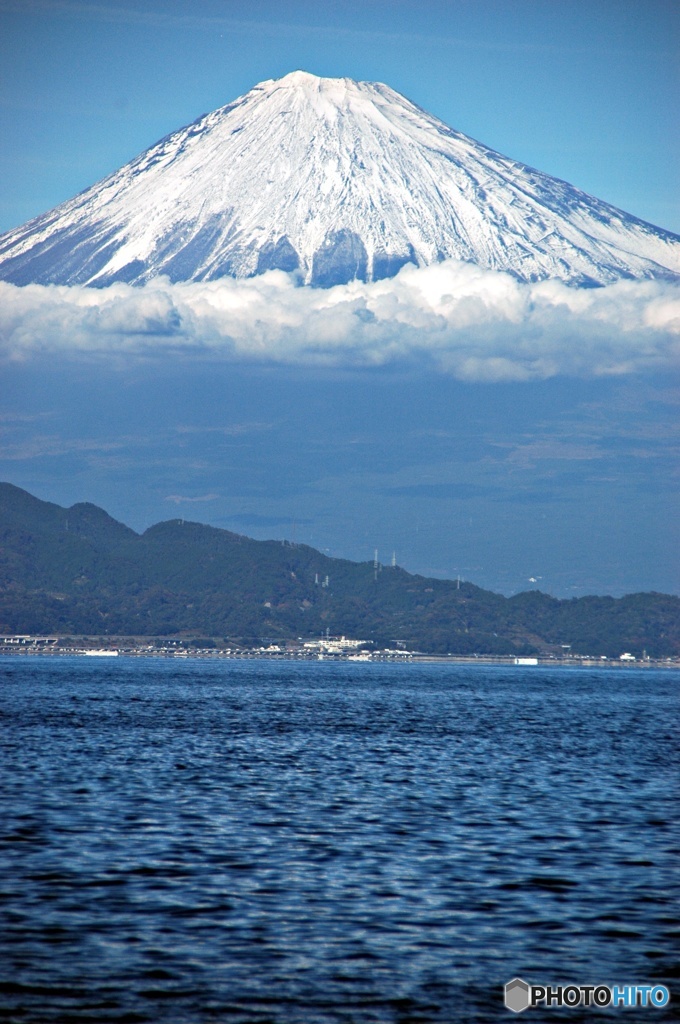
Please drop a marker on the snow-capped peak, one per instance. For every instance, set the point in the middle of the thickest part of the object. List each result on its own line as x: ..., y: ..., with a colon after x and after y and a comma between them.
x: 332, y: 179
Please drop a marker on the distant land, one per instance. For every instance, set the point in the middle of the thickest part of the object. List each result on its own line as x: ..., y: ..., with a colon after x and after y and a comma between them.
x: 77, y: 571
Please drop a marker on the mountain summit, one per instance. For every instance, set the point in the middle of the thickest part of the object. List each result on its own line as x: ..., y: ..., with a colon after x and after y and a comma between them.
x: 335, y: 180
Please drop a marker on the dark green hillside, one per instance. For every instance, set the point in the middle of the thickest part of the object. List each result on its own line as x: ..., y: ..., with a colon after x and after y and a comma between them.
x: 77, y: 570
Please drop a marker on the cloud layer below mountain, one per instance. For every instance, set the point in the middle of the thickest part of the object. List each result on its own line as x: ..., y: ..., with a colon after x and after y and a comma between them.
x: 470, y: 323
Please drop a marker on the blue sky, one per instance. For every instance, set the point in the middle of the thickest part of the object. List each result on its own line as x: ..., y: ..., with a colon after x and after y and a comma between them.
x: 584, y: 91
x: 568, y: 483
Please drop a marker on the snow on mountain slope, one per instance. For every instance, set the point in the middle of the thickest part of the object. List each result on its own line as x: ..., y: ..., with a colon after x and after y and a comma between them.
x: 336, y: 180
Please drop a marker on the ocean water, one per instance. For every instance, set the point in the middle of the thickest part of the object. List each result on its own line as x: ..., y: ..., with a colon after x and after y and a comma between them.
x: 250, y: 842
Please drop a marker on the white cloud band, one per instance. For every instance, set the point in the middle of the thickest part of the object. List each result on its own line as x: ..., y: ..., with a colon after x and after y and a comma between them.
x: 471, y: 323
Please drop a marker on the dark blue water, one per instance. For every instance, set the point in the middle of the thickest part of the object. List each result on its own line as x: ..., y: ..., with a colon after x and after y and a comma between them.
x: 305, y: 844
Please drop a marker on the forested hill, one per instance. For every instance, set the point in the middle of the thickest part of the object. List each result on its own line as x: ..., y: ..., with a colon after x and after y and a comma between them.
x: 78, y: 571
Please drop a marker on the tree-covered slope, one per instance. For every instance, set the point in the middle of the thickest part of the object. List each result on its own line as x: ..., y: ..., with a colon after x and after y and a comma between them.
x: 77, y: 570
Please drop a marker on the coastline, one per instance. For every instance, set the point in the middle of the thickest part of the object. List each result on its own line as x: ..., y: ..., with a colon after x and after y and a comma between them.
x: 172, y: 648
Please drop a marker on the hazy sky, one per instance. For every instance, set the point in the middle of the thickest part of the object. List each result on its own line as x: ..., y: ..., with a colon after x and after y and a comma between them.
x: 537, y: 447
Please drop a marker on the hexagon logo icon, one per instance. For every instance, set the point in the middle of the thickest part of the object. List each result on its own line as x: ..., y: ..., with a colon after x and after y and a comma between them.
x: 517, y: 995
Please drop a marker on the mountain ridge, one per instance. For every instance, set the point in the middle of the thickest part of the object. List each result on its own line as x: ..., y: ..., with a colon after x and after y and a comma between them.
x: 79, y: 571
x: 332, y: 180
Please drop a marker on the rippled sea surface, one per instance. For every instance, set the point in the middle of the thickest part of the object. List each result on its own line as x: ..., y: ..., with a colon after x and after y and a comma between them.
x: 251, y: 842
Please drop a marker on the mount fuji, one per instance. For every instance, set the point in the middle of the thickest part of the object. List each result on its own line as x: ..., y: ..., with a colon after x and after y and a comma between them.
x: 333, y: 180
